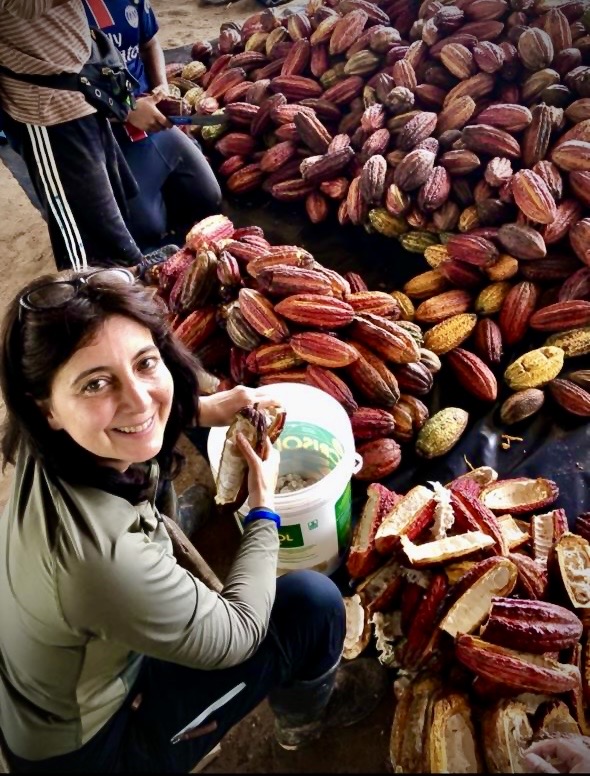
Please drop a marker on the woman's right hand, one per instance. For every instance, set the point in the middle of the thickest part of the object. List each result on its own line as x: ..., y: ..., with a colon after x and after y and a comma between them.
x: 263, y: 472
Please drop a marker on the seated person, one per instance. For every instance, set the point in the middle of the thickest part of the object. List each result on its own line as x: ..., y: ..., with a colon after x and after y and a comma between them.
x: 176, y: 183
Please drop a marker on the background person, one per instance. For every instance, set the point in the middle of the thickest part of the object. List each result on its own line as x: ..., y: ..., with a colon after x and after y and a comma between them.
x: 176, y: 185
x: 109, y: 648
x: 77, y: 169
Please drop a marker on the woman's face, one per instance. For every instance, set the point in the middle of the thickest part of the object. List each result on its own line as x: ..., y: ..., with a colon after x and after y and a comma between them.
x: 113, y: 396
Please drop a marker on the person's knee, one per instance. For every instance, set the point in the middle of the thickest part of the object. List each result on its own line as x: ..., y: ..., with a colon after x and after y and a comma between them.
x: 215, y: 197
x: 215, y: 204
x: 218, y: 199
x: 309, y: 591
x: 309, y: 619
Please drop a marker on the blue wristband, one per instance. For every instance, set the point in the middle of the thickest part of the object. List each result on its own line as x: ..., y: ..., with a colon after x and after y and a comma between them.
x: 263, y: 514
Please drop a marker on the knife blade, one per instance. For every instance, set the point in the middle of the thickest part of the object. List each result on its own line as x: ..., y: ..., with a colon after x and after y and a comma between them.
x: 196, y: 120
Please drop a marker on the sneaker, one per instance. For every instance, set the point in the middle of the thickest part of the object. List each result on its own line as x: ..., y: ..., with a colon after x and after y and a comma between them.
x: 153, y: 258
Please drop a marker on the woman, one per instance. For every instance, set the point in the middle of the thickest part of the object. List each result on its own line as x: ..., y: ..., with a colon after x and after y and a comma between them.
x: 176, y: 184
x: 108, y: 649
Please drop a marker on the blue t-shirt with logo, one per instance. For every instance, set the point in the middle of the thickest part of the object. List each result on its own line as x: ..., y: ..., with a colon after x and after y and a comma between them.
x: 128, y: 23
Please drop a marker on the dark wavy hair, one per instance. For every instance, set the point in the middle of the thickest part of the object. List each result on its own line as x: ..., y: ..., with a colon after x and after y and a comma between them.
x: 36, y: 343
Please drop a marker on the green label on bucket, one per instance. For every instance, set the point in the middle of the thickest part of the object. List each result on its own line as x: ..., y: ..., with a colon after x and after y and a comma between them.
x: 342, y: 510
x: 314, y: 535
x: 298, y: 435
x: 290, y: 537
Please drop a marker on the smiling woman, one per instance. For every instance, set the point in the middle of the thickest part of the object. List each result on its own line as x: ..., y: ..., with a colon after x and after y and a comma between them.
x: 108, y: 646
x: 72, y: 356
x: 114, y: 395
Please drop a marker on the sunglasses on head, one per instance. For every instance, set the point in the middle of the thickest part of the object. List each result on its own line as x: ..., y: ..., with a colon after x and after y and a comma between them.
x: 51, y: 296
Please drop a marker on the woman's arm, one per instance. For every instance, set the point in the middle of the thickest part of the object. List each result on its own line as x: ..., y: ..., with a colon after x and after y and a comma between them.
x: 138, y: 595
x: 189, y: 558
x: 131, y: 589
x: 152, y: 57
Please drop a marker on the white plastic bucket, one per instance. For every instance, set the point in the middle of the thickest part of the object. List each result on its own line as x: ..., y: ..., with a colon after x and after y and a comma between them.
x: 317, y: 439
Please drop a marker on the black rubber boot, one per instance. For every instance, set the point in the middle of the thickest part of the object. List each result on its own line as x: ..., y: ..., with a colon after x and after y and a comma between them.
x: 341, y: 697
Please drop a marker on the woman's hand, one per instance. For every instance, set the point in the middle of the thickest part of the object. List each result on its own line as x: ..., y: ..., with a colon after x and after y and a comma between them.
x: 219, y: 408
x: 146, y: 115
x: 564, y: 754
x: 263, y: 472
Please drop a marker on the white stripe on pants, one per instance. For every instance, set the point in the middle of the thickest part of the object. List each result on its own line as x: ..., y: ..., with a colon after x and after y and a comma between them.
x: 56, y: 198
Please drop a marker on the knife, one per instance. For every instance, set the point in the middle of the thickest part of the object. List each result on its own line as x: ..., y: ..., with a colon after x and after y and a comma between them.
x: 196, y: 120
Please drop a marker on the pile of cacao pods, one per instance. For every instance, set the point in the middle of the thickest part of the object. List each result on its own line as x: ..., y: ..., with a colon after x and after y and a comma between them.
x: 419, y: 120
x: 257, y: 313
x: 479, y: 594
x: 461, y: 128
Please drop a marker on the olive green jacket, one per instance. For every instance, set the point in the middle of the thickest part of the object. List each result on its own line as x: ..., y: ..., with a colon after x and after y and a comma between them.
x: 88, y: 585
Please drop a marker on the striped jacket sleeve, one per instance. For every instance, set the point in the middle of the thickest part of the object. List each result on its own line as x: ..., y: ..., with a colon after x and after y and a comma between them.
x: 43, y: 37
x: 26, y: 9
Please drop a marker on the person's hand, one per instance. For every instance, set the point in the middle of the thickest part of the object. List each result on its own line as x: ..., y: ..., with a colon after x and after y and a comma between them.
x: 146, y: 115
x: 219, y: 408
x: 263, y: 472
x: 563, y: 754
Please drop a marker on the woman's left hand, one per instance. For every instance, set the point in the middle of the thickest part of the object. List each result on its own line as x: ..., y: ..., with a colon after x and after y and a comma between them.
x: 219, y: 408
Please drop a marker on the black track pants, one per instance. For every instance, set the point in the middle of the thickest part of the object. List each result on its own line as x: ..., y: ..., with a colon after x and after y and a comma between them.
x: 83, y: 182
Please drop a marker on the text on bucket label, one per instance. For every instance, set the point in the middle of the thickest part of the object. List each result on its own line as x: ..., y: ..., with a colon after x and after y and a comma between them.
x: 304, y: 436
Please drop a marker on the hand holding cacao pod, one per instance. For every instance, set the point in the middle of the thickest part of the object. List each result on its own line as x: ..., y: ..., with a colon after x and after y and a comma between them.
x: 148, y: 114
x: 220, y: 408
x: 263, y: 472
x: 248, y: 443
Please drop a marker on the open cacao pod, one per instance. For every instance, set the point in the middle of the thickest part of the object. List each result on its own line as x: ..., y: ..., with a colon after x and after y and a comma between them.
x: 232, y: 477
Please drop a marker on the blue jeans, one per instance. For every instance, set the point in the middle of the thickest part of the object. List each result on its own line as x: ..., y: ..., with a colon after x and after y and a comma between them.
x: 176, y: 184
x: 305, y: 639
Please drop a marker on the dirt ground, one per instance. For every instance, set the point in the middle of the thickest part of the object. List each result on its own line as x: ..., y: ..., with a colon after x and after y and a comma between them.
x: 25, y: 254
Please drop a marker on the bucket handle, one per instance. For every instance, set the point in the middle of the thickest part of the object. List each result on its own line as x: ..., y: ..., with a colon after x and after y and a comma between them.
x: 358, y: 463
